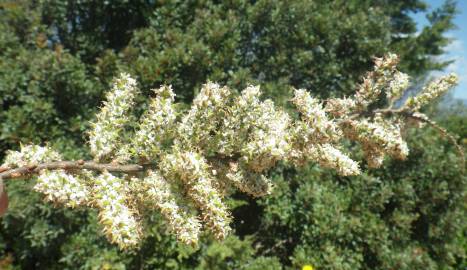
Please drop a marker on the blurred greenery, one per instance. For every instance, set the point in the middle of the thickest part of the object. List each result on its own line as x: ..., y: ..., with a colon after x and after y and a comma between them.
x: 58, y: 57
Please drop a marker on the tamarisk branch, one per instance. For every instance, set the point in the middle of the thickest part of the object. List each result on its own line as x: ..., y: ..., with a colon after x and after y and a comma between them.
x: 422, y: 118
x: 223, y: 142
x: 34, y: 169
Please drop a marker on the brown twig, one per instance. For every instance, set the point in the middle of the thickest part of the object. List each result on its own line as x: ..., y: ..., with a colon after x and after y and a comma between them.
x: 71, y: 165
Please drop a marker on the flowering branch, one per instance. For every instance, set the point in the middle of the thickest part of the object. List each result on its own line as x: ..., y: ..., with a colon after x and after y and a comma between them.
x: 188, y: 161
x: 423, y: 119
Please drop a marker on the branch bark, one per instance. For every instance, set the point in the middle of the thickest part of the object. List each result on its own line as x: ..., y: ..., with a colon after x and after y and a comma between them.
x: 7, y: 173
x: 445, y: 134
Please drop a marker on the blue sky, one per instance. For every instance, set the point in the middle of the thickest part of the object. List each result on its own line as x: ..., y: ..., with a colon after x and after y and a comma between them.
x: 457, y: 50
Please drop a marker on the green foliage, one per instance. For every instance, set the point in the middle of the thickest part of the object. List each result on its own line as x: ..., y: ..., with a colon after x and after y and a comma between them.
x: 45, y: 93
x: 56, y: 57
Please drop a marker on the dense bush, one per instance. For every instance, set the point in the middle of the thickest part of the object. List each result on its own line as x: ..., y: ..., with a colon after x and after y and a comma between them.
x: 57, y: 57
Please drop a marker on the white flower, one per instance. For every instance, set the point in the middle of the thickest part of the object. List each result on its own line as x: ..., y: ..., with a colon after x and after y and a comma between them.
x: 64, y: 188
x: 30, y: 154
x: 199, y: 126
x: 105, y: 136
x: 397, y: 86
x: 432, y: 91
x: 377, y: 137
x: 156, y: 125
x: 118, y: 218
x: 317, y: 127
x: 376, y: 81
x: 155, y: 191
x: 192, y: 170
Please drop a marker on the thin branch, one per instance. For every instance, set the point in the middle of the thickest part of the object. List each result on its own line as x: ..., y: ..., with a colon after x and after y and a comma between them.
x: 275, y: 246
x: 71, y: 165
x: 444, y: 133
x: 426, y: 120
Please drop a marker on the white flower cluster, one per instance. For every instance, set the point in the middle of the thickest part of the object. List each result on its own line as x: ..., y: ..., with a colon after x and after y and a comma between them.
x: 255, y: 130
x: 197, y: 129
x: 378, y: 135
x: 156, y: 192
x: 63, y: 188
x: 397, y: 86
x: 315, y: 135
x: 30, y: 155
x: 377, y: 81
x: 193, y: 159
x: 340, y: 107
x: 156, y: 125
x: 329, y: 156
x: 106, y: 133
x: 121, y: 225
x: 377, y: 138
x: 432, y: 91
x: 192, y: 169
x: 315, y: 122
x: 384, y: 78
x: 234, y: 174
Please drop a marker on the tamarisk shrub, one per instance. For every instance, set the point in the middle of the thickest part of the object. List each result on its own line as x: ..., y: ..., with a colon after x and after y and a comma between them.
x: 184, y: 163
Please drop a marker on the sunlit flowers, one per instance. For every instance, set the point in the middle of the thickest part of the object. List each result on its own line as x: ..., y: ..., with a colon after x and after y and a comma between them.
x: 192, y: 159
